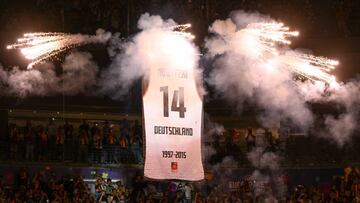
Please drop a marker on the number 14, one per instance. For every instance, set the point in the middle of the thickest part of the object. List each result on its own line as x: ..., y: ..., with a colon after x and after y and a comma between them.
x: 177, y: 103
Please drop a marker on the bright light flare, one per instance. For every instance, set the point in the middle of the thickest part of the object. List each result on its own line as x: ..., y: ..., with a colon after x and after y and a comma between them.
x: 181, y: 30
x: 42, y: 46
x: 267, y: 40
x: 311, y: 67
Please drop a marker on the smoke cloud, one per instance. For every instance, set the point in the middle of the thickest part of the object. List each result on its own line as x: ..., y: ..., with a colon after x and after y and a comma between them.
x: 240, y: 76
x: 79, y: 75
x: 267, y: 178
x: 21, y: 83
x: 154, y: 46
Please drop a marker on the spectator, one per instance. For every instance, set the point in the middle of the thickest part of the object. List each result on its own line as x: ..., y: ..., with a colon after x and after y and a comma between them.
x: 84, y: 128
x: 83, y: 141
x: 165, y: 197
x: 99, y: 186
x: 51, y: 131
x: 250, y: 139
x: 68, y: 132
x: 124, y: 147
x: 270, y: 141
x: 187, y: 193
x: 137, y: 129
x: 14, y: 137
x: 105, y: 132
x: 121, y: 192
x: 60, y: 141
x: 125, y: 128
x: 97, y: 141
x: 23, y: 178
x: 29, y: 136
x: 136, y: 150
x: 43, y: 144
x: 110, y: 145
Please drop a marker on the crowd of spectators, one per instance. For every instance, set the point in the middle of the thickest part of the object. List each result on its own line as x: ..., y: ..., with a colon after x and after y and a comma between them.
x: 45, y: 186
x: 237, y: 143
x: 121, y: 142
x: 345, y: 188
x: 103, y: 142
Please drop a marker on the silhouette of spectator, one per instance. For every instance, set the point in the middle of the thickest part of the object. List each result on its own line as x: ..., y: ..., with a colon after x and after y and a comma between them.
x: 60, y: 141
x: 29, y: 136
x: 250, y: 139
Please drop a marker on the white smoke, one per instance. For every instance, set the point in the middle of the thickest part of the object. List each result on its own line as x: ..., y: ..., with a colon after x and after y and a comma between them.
x: 241, y: 76
x: 79, y: 76
x: 263, y: 160
x: 80, y: 73
x: 212, y: 129
x: 102, y: 36
x: 347, y: 98
x: 154, y: 46
x: 267, y: 178
x: 342, y: 127
x: 41, y: 81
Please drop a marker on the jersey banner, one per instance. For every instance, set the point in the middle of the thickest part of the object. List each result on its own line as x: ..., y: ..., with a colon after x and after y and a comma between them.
x: 172, y: 109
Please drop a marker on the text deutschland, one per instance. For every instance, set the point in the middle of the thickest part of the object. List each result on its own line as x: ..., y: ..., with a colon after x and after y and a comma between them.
x: 168, y: 130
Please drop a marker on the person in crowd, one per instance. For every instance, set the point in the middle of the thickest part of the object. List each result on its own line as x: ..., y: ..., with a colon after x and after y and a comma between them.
x: 94, y: 128
x: 270, y: 141
x: 97, y: 142
x: 51, y: 131
x: 23, y: 178
x: 123, y: 156
x: 187, y: 193
x: 106, y: 198
x: 198, y: 198
x: 60, y: 141
x: 14, y: 138
x: 121, y: 192
x: 29, y: 136
x: 136, y: 150
x: 137, y: 129
x: 105, y: 131
x: 110, y: 145
x: 165, y: 197
x: 83, y: 141
x: 92, y: 144
x: 250, y: 139
x: 68, y: 132
x: 99, y: 186
x: 125, y: 128
x: 43, y: 144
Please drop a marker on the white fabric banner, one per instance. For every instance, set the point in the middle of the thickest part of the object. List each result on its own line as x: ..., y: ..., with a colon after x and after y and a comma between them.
x: 172, y: 109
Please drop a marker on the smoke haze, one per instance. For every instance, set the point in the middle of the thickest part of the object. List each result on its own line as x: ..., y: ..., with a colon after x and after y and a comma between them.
x: 240, y: 76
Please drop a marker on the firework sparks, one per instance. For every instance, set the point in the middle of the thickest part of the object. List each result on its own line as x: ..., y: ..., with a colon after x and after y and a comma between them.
x: 309, y: 66
x: 268, y: 37
x: 181, y: 30
x: 42, y: 46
